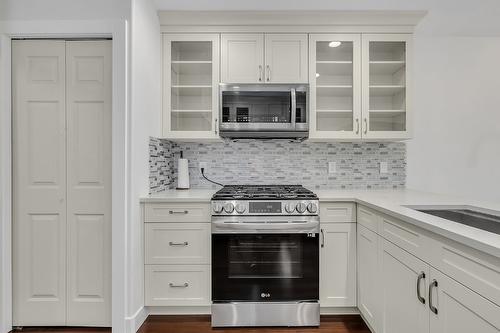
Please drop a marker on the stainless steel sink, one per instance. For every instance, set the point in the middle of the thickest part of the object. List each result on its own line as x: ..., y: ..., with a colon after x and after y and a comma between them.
x: 467, y: 216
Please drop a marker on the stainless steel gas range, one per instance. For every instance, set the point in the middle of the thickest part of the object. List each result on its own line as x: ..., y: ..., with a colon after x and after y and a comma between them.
x: 265, y: 256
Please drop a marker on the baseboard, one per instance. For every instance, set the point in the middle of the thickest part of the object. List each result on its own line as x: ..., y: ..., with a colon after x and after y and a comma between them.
x: 134, y: 322
x: 338, y: 311
x: 179, y: 310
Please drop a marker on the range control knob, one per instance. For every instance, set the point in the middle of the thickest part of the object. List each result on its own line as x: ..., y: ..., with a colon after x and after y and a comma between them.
x: 312, y: 208
x: 228, y: 208
x: 301, y: 207
x: 217, y: 208
x: 289, y: 208
x: 240, y: 208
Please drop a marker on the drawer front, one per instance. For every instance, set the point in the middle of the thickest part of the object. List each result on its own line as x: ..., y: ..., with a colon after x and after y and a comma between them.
x: 403, y: 235
x: 177, y: 285
x: 368, y: 218
x: 477, y: 270
x: 177, y: 212
x: 177, y: 243
x: 337, y: 212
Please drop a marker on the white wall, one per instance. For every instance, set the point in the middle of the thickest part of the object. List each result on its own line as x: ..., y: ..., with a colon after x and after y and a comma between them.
x: 456, y: 145
x: 145, y: 122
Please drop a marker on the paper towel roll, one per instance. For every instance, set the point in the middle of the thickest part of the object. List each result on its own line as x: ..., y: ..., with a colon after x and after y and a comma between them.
x: 182, y: 174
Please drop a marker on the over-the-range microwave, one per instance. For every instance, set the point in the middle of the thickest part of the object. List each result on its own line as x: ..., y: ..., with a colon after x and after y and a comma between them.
x: 264, y: 111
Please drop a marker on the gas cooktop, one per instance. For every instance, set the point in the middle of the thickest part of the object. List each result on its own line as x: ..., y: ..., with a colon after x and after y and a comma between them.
x: 263, y: 192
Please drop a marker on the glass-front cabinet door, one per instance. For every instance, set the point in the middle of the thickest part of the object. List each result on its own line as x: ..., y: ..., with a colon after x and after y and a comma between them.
x: 190, y: 86
x: 335, y: 86
x: 386, y: 99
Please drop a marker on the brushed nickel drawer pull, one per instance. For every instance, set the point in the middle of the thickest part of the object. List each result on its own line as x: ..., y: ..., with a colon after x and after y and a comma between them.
x: 178, y: 244
x: 178, y: 212
x: 433, y: 285
x: 420, y: 277
x: 185, y: 285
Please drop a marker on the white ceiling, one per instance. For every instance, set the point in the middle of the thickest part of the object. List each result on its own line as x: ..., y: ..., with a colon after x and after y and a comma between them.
x: 448, y: 17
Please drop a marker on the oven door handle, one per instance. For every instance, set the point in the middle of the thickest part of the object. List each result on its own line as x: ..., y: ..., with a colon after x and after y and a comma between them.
x: 291, y: 227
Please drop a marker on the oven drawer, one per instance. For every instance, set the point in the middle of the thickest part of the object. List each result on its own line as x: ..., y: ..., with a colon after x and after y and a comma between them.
x: 177, y: 212
x: 177, y: 285
x: 337, y: 212
x: 177, y: 243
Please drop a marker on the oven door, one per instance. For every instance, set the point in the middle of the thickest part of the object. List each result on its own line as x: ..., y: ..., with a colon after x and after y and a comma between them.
x: 265, y: 267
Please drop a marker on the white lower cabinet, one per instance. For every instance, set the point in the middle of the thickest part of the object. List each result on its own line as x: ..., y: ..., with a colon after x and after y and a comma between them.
x: 177, y: 285
x: 459, y: 309
x: 398, y: 292
x: 338, y: 265
x: 368, y: 281
x: 401, y: 274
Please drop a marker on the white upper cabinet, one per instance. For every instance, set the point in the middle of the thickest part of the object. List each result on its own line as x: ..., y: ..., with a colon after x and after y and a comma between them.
x: 386, y: 85
x: 335, y: 86
x: 242, y: 58
x: 286, y: 58
x: 190, y: 86
x: 264, y: 58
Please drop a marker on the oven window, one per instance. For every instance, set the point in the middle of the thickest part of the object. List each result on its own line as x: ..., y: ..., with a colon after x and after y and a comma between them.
x: 265, y: 257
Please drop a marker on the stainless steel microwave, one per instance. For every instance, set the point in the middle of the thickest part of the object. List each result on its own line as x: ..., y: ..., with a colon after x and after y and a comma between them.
x: 264, y: 111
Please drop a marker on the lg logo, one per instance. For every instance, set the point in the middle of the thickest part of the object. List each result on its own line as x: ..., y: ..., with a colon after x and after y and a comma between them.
x: 265, y: 295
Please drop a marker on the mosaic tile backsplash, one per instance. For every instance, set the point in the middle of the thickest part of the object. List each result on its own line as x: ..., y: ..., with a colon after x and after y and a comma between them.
x: 280, y: 162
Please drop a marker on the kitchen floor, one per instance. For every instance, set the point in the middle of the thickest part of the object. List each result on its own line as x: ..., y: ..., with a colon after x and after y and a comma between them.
x: 201, y: 324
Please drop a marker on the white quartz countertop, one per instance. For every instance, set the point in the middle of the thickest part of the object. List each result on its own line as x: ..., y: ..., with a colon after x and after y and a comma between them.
x: 392, y: 203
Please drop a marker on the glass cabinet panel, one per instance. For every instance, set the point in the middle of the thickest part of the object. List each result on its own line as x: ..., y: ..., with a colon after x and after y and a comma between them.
x: 335, y: 65
x: 190, y: 80
x: 387, y: 85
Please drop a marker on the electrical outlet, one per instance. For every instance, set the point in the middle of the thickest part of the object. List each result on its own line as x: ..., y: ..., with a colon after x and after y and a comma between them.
x: 384, y: 167
x: 203, y: 165
x: 332, y: 167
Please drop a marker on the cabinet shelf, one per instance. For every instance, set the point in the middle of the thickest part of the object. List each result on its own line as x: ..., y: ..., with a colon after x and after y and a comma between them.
x: 190, y: 86
x: 338, y: 62
x: 387, y: 111
x: 191, y: 62
x: 386, y: 90
x: 189, y: 111
x: 333, y: 111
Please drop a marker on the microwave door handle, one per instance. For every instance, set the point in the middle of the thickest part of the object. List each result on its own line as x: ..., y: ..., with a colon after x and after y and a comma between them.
x: 293, y: 106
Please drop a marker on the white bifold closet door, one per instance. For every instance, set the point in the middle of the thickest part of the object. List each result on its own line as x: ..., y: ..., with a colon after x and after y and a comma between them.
x: 61, y: 182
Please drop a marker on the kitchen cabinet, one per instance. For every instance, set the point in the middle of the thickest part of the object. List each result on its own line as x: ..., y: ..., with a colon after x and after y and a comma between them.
x: 177, y: 254
x: 338, y: 265
x: 360, y: 86
x: 459, y: 309
x: 386, y: 85
x: 449, y: 288
x: 190, y: 86
x: 403, y: 278
x: 61, y: 183
x: 368, y: 276
x: 335, y: 86
x: 264, y: 58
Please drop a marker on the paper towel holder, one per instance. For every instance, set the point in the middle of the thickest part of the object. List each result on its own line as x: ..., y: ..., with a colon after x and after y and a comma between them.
x: 182, y: 173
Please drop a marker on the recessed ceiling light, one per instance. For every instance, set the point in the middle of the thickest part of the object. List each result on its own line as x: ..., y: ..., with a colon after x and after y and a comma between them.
x: 236, y: 87
x: 317, y: 74
x: 334, y: 44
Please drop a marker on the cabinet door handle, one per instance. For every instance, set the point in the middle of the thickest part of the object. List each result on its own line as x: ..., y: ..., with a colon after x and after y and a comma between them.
x: 216, y: 122
x: 322, y: 238
x: 357, y: 125
x: 184, y: 285
x: 366, y: 126
x: 268, y: 73
x: 171, y: 212
x: 433, y: 285
x: 178, y: 244
x: 419, y: 279
x: 260, y: 73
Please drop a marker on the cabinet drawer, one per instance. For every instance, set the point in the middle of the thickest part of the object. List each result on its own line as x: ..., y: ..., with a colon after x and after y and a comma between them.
x: 403, y: 235
x: 177, y: 285
x: 474, y: 269
x: 177, y: 212
x: 337, y: 212
x: 368, y: 218
x: 177, y: 243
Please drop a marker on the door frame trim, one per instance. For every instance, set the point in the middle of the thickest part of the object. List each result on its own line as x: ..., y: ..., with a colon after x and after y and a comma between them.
x: 118, y: 31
